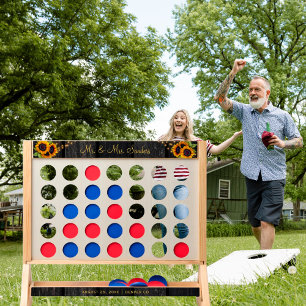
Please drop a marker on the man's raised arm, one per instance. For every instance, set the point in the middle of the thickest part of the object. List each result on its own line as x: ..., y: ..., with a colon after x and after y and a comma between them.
x: 221, y: 94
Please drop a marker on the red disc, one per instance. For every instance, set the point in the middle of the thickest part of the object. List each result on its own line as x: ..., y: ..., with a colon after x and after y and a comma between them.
x: 137, y: 230
x: 114, y: 211
x: 70, y: 230
x: 156, y: 284
x: 181, y: 249
x: 137, y: 280
x: 92, y: 173
x: 92, y: 230
x: 114, y: 249
x: 48, y: 249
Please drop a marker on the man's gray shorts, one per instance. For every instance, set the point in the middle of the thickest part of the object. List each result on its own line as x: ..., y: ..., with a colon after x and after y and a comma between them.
x: 265, y: 200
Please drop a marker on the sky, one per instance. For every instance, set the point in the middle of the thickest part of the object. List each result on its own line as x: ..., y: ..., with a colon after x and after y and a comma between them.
x: 158, y: 14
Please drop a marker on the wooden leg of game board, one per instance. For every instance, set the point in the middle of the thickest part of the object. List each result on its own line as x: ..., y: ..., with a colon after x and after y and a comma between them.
x: 26, y: 298
x: 203, y: 299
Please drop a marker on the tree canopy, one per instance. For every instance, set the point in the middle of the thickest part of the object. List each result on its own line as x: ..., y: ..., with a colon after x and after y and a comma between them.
x: 74, y: 70
x: 210, y: 34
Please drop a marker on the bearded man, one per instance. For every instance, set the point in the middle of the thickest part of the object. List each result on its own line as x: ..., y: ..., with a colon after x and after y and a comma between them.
x: 264, y: 168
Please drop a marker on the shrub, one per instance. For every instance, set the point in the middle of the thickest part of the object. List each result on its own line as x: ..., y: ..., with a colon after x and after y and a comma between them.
x: 245, y: 229
x: 228, y: 230
x: 289, y: 225
x: 11, y: 236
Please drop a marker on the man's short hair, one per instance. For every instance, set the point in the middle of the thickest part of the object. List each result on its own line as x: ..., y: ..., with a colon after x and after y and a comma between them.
x: 266, y: 82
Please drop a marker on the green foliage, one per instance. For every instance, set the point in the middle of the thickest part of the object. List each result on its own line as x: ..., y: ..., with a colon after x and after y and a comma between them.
x: 136, y: 192
x: 47, y: 172
x: 244, y: 229
x: 10, y: 164
x: 114, y: 172
x: 136, y: 172
x: 289, y: 225
x: 210, y: 35
x: 70, y: 173
x: 228, y: 230
x: 47, y: 211
x: 217, y: 132
x: 74, y: 70
x: 296, y: 167
x: 10, y: 236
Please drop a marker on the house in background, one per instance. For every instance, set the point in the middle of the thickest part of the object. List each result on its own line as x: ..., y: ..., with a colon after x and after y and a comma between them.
x: 11, y: 213
x: 226, y: 191
x: 15, y: 197
x: 288, y: 210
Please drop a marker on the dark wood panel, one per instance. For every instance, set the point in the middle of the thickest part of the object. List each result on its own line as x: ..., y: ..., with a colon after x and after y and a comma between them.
x: 114, y: 291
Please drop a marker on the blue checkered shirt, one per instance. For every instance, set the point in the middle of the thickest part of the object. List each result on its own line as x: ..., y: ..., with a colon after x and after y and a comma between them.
x: 256, y: 157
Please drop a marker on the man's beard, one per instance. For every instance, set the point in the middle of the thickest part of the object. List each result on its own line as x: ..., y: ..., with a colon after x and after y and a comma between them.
x: 258, y: 104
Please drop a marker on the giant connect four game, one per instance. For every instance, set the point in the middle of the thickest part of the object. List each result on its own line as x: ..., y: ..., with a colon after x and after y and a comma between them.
x: 117, y: 202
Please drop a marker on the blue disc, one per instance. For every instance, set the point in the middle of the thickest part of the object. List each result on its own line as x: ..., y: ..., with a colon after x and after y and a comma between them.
x: 119, y: 280
x: 92, y: 249
x: 70, y: 249
x: 92, y: 211
x: 137, y: 249
x: 138, y: 284
x: 117, y: 283
x: 92, y: 192
x: 114, y: 192
x: 70, y: 211
x: 158, y: 278
x: 114, y: 230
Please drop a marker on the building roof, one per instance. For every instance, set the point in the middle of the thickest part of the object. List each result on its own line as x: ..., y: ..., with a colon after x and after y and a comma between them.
x: 289, y: 205
x: 13, y: 192
x: 216, y: 165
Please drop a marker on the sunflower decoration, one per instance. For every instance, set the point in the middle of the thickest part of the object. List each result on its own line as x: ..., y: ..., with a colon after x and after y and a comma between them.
x: 42, y: 147
x: 184, y: 149
x: 176, y: 150
x: 187, y: 152
x: 47, y: 155
x: 45, y: 149
x: 183, y: 144
x: 53, y: 149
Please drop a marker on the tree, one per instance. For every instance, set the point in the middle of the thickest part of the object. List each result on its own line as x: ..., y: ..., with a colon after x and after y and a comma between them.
x: 270, y: 35
x: 209, y: 35
x: 295, y: 188
x: 74, y: 69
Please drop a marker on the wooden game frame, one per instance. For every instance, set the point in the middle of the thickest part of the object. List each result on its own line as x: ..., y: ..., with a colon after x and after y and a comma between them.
x: 100, y: 288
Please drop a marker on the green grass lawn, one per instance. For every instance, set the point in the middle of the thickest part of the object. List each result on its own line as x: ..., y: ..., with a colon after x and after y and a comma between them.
x: 280, y: 288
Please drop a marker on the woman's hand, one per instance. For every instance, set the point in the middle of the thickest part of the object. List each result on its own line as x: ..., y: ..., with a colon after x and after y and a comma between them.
x: 237, y: 134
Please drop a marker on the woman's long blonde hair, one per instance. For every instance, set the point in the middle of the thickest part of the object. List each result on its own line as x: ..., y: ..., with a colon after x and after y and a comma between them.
x: 188, y: 133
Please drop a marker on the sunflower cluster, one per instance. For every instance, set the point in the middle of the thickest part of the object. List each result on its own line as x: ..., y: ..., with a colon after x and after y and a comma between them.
x: 46, y: 149
x: 183, y: 149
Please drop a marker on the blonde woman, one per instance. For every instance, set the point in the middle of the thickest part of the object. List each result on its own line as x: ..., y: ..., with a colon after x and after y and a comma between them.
x: 181, y: 128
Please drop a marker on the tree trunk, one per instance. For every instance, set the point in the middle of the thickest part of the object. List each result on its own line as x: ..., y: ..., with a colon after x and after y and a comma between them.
x: 296, y: 210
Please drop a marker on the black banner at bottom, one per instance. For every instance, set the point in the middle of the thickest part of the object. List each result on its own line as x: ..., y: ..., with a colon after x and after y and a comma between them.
x: 114, y: 291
